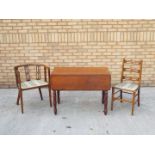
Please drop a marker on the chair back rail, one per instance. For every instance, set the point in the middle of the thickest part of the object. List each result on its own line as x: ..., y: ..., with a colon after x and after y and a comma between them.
x: 26, y: 68
x: 131, y: 71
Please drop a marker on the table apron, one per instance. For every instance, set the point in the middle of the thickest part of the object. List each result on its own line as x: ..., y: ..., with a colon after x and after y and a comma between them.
x: 97, y: 82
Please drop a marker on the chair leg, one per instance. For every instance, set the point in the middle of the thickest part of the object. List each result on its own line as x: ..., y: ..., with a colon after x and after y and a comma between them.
x: 50, y: 96
x: 112, y: 99
x: 138, y: 97
x: 58, y: 96
x: 133, y: 103
x: 18, y: 98
x: 41, y: 96
x: 121, y: 95
x: 21, y: 97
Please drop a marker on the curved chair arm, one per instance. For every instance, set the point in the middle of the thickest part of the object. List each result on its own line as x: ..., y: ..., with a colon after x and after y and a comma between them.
x: 46, y: 71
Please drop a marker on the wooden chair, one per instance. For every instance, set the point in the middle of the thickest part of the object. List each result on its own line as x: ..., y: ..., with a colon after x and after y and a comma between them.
x: 40, y: 77
x: 130, y: 83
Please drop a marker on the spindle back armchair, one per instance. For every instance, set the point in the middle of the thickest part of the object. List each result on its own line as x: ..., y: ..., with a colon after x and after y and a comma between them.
x: 130, y: 83
x: 36, y: 76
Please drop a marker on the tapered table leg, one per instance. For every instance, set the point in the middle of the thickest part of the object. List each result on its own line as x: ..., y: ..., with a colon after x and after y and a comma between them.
x: 103, y: 97
x: 105, y: 102
x: 58, y: 96
x: 54, y: 102
x: 50, y: 96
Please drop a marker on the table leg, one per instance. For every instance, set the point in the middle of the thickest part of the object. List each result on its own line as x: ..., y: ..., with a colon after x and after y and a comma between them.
x: 58, y: 96
x: 55, y: 102
x: 103, y: 96
x: 105, y: 102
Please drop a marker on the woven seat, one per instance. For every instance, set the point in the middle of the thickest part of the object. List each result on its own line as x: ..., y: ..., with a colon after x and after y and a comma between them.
x: 33, y: 83
x: 128, y: 86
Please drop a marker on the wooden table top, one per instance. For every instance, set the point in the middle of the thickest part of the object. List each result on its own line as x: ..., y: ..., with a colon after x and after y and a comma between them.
x: 80, y: 78
x: 80, y: 71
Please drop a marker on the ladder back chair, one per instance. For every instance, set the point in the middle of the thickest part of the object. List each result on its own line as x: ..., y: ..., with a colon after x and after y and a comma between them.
x: 34, y: 76
x: 130, y: 83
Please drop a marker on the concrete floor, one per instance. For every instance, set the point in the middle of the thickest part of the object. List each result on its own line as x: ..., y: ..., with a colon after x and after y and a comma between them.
x: 79, y: 113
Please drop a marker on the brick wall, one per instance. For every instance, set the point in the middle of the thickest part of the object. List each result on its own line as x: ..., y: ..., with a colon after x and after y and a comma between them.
x: 77, y: 43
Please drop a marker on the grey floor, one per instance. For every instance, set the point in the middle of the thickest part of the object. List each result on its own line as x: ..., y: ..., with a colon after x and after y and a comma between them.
x: 79, y: 113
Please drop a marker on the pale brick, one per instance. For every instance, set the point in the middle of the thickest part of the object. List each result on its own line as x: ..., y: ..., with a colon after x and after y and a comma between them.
x: 77, y: 43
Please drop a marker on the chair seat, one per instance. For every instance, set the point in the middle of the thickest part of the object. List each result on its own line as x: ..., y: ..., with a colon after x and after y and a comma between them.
x: 33, y: 83
x: 129, y: 86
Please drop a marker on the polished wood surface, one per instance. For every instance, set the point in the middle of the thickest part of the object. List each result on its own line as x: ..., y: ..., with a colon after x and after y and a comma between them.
x: 80, y: 78
x: 80, y: 71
